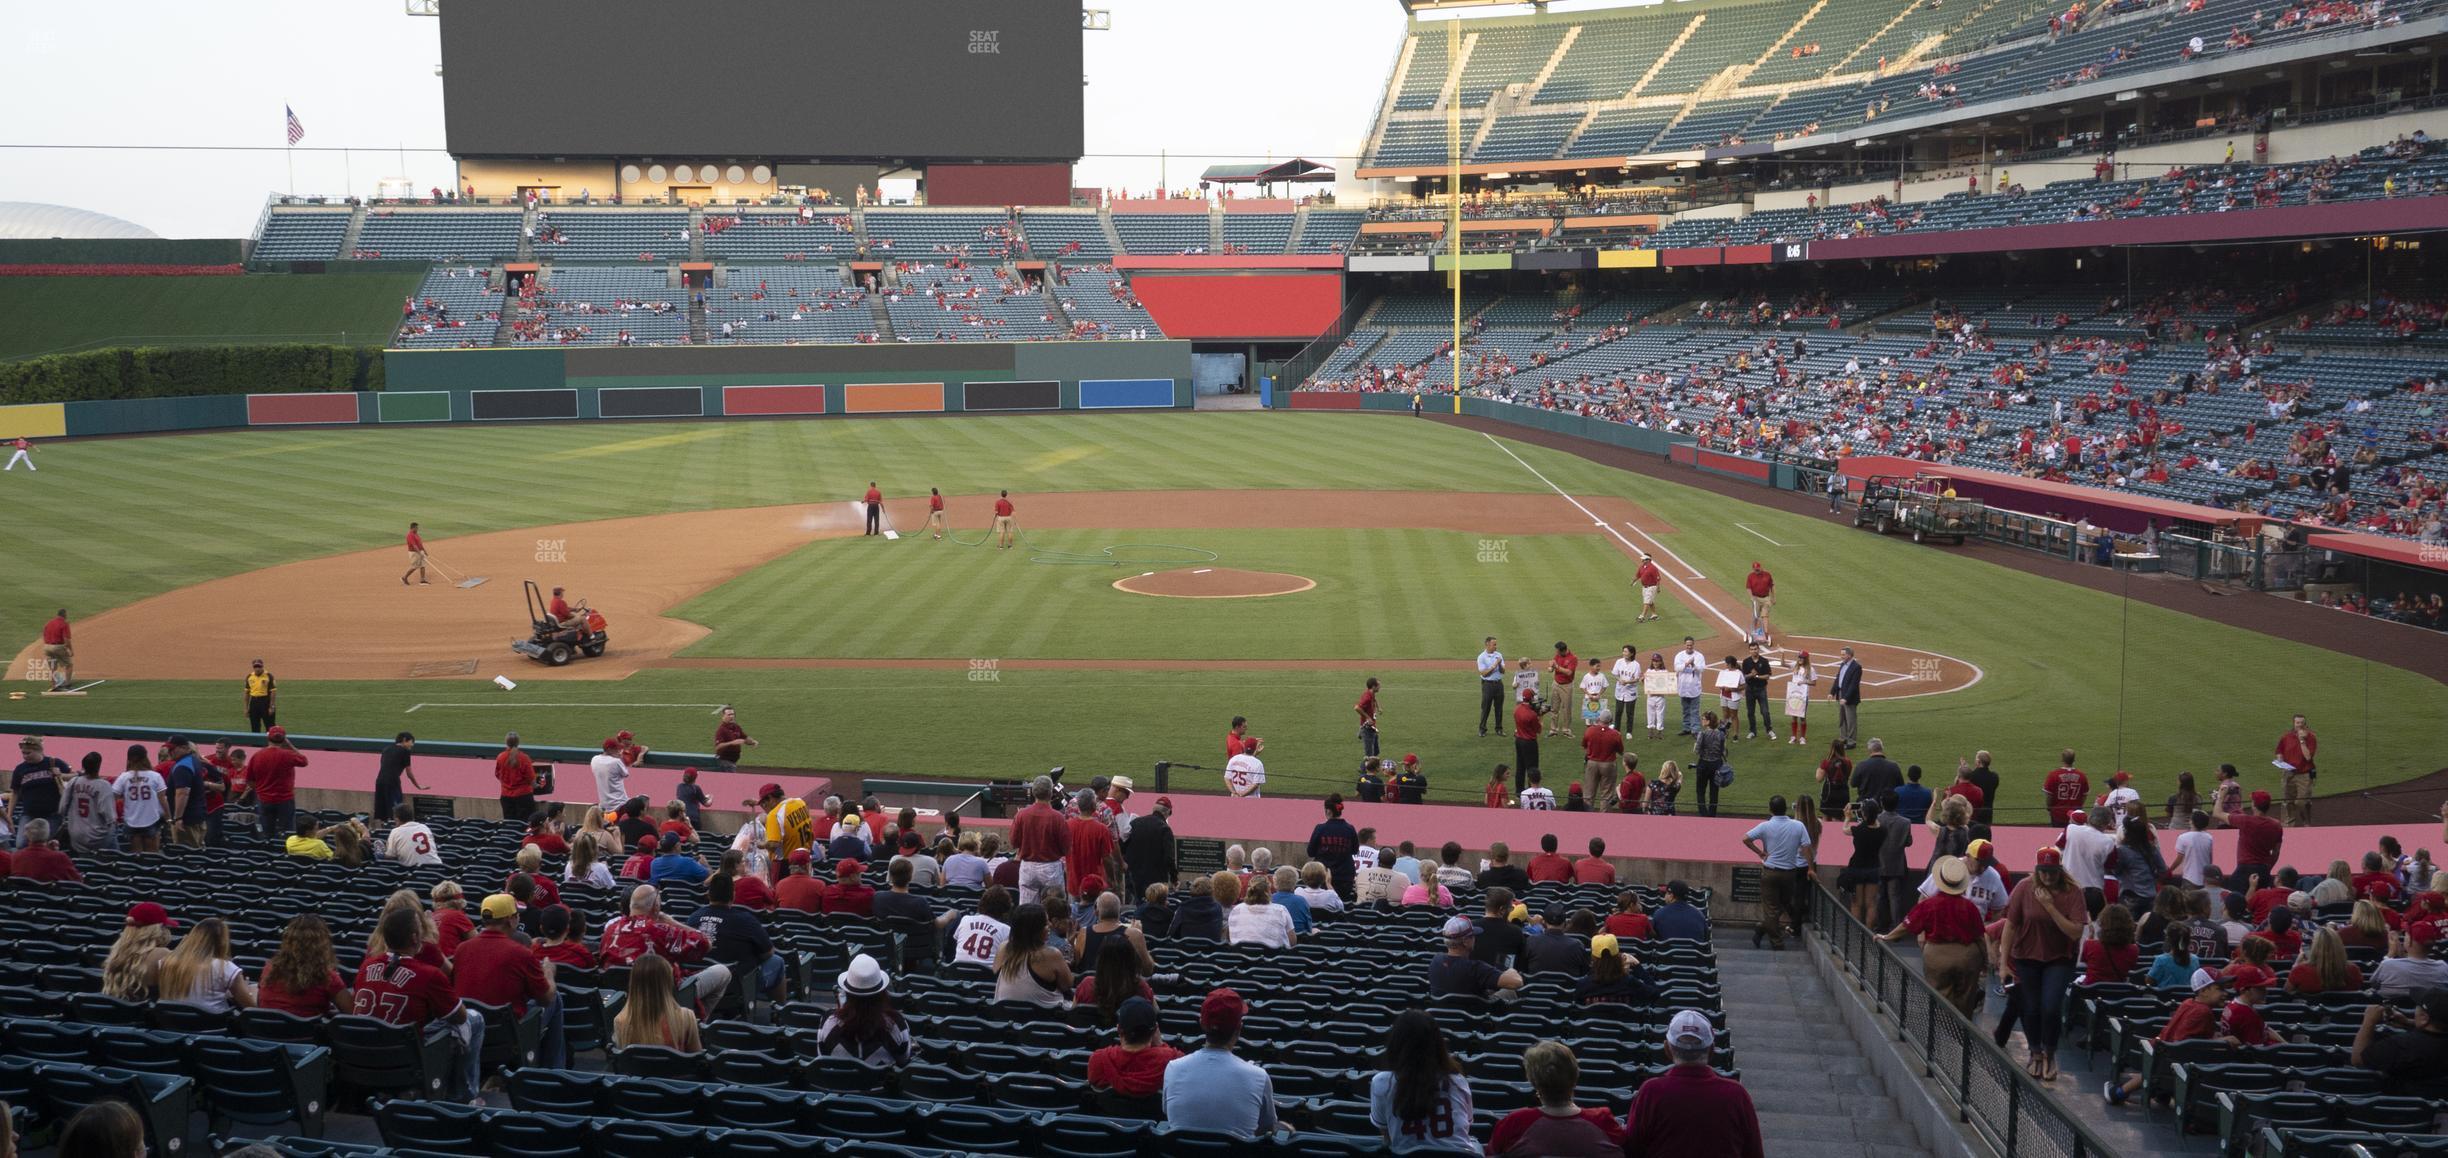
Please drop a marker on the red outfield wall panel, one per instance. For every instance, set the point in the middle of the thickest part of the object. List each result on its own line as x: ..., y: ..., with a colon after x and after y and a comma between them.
x: 1324, y: 400
x: 773, y: 400
x: 998, y: 185
x: 300, y: 409
x: 1242, y: 306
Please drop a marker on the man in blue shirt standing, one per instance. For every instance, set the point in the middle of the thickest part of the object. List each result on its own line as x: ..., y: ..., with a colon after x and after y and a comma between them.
x: 1783, y: 846
x: 1213, y: 1090
x: 186, y: 781
x: 1491, y: 684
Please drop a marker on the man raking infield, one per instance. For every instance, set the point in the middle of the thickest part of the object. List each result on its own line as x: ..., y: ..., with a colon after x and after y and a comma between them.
x: 57, y: 650
x: 416, y: 557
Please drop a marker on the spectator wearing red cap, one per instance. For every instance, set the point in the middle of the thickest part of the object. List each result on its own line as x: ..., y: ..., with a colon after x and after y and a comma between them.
x: 2242, y: 1020
x: 611, y: 776
x: 2044, y: 920
x: 797, y: 890
x: 639, y: 867
x: 133, y: 965
x: 273, y: 772
x: 2411, y: 967
x: 2259, y: 837
x: 1410, y: 784
x: 850, y: 893
x: 2121, y: 800
x: 2296, y: 749
x: 1213, y: 1090
x: 1245, y: 774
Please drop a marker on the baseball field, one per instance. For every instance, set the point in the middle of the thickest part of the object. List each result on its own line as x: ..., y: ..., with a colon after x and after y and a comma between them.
x: 1131, y: 621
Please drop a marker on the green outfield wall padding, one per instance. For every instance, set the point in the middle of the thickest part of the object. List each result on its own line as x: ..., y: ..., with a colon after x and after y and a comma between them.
x: 140, y: 415
x: 474, y: 369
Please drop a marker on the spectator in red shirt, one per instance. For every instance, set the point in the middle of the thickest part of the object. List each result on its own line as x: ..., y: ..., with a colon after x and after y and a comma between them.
x: 648, y: 929
x: 799, y: 890
x: 2109, y: 957
x: 1964, y: 787
x: 2296, y: 748
x: 1128, y: 1078
x: 1550, y: 865
x: 397, y: 987
x: 1557, y: 1125
x: 1525, y: 738
x: 1093, y: 851
x: 541, y: 837
x: 2375, y: 882
x: 492, y: 967
x: 40, y: 859
x: 1762, y: 587
x: 849, y: 893
x: 2064, y: 789
x: 2192, y: 1021
x: 1601, y: 747
x: 1236, y: 737
x: 1953, y: 934
x: 273, y: 772
x: 2265, y: 898
x: 1040, y: 839
x: 1692, y: 1109
x: 1593, y: 869
x: 2259, y: 838
x: 1628, y: 922
x: 561, y: 939
x: 516, y: 774
x: 748, y: 890
x: 302, y: 978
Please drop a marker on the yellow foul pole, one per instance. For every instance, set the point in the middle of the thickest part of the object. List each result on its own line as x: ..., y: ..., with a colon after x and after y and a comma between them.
x: 1453, y: 195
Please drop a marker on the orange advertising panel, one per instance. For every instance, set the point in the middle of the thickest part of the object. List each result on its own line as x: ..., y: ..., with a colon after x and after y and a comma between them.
x: 893, y: 398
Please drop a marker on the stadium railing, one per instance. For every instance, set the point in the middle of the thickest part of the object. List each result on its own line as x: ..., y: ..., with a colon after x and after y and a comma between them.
x: 541, y: 753
x: 1989, y: 1090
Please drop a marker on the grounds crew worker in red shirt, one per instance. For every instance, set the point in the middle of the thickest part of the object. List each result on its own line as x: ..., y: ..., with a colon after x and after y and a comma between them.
x: 416, y: 557
x: 1762, y: 587
x: 1647, y: 577
x: 58, y: 650
x: 875, y: 509
x: 935, y: 514
x: 1003, y: 520
x: 2296, y: 749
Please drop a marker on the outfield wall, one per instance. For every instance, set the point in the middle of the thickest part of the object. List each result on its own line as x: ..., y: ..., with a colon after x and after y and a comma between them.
x: 667, y: 382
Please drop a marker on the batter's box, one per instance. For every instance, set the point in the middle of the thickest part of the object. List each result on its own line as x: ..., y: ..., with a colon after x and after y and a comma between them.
x: 443, y: 667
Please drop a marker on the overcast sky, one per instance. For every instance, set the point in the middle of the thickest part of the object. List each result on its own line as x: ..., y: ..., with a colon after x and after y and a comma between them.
x: 1204, y: 80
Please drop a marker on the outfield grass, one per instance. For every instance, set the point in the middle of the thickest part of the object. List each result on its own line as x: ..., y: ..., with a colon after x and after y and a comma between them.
x: 2124, y: 683
x: 1381, y: 594
x: 60, y: 314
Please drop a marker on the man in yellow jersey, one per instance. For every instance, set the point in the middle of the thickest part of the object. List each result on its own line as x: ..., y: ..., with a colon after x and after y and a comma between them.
x: 260, y: 689
x: 787, y: 823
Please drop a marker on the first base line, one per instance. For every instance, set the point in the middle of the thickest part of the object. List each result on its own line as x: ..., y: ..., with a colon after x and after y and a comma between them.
x: 711, y: 709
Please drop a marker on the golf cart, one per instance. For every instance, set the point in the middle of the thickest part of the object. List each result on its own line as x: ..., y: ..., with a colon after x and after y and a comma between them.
x: 553, y: 645
x: 1923, y: 507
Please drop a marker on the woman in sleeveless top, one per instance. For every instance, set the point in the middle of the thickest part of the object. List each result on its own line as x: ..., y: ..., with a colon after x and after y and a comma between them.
x: 1027, y: 970
x: 653, y: 1014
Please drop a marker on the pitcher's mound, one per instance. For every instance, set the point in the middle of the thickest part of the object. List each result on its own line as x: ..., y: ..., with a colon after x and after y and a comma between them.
x: 1214, y: 583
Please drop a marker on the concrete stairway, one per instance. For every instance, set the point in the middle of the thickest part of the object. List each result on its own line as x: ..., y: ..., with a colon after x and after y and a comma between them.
x: 1817, y: 1096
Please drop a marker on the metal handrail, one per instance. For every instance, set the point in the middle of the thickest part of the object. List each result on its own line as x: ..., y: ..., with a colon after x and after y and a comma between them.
x: 2010, y: 1111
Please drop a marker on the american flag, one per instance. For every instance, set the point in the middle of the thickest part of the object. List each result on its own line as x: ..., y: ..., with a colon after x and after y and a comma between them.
x: 297, y: 132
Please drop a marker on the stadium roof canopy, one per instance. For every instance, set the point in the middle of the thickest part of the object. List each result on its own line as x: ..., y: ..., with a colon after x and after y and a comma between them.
x: 21, y: 220
x: 1295, y: 169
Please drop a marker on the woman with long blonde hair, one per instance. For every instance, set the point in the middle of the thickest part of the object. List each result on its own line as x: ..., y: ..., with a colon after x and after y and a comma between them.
x: 406, y: 899
x: 593, y: 828
x: 2324, y: 967
x: 653, y: 1014
x: 2368, y: 927
x: 200, y: 973
x: 134, y: 964
x: 585, y: 867
x: 1662, y: 790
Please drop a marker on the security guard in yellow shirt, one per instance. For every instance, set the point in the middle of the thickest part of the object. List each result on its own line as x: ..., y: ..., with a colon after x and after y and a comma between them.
x: 260, y: 689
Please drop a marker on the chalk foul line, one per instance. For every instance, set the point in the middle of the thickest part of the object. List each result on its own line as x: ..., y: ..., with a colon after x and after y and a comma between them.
x: 1755, y: 534
x: 712, y: 709
x: 1696, y: 598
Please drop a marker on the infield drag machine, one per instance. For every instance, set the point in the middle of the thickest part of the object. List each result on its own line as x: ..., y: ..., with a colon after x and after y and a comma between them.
x: 1920, y: 507
x: 550, y: 643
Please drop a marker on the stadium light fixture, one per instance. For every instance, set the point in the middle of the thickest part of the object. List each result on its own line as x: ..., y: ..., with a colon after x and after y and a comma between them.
x: 424, y: 7
x: 1092, y: 19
